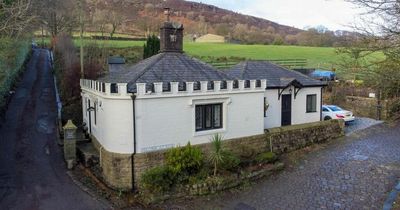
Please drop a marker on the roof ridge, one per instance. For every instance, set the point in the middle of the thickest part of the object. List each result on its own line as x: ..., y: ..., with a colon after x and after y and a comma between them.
x: 190, y: 66
x: 148, y: 67
x: 245, y: 65
x: 193, y: 69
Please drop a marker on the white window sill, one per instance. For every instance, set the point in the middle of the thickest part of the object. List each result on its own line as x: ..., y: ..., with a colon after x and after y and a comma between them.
x: 209, y: 132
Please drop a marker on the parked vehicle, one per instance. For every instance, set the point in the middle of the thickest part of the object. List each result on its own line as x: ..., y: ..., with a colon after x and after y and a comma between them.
x: 323, y: 75
x: 334, y: 112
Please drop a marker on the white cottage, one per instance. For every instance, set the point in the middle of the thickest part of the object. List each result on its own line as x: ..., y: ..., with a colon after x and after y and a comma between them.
x: 170, y: 98
x: 163, y: 102
x: 290, y: 98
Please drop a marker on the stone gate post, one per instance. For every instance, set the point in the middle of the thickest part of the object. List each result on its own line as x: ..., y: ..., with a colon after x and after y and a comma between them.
x: 70, y: 137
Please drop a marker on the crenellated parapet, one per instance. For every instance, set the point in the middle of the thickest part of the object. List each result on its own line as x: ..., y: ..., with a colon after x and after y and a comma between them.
x: 102, y: 88
x: 175, y: 88
x: 199, y: 87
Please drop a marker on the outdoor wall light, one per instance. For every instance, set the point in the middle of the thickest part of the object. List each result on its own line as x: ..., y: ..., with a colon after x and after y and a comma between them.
x: 91, y: 109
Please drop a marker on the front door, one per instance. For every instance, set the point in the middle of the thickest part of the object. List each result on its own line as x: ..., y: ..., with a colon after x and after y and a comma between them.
x: 286, y: 110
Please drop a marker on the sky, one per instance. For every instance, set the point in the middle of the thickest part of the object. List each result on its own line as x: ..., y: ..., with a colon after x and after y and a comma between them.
x: 334, y: 14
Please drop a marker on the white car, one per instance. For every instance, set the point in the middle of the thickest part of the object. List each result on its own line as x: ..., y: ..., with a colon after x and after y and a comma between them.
x: 334, y: 112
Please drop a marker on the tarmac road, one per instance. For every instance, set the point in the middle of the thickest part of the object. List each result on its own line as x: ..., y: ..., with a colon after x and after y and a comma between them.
x: 32, y: 169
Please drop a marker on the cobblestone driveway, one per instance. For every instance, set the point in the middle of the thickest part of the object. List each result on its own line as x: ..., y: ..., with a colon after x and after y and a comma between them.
x: 357, y: 172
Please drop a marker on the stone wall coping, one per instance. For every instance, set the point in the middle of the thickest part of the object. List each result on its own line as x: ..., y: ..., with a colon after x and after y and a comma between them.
x: 302, y: 126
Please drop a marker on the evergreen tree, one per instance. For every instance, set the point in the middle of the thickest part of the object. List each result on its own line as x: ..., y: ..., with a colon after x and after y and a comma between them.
x: 151, y: 47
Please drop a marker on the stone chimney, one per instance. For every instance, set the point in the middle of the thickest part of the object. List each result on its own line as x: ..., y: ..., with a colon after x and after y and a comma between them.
x: 171, y: 35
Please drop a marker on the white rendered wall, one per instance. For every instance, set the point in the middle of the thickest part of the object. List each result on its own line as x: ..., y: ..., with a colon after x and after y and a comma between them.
x: 299, y: 115
x: 114, y: 124
x: 168, y: 122
x: 273, y: 117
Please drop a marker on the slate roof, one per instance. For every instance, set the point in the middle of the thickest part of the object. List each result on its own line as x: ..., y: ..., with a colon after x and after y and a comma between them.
x: 276, y: 76
x: 165, y: 67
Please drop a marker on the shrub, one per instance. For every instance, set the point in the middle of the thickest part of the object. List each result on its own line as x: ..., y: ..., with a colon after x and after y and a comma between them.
x: 266, y: 157
x: 202, y: 175
x: 230, y: 161
x: 221, y: 158
x: 159, y: 179
x: 217, y: 154
x: 394, y: 107
x: 186, y: 160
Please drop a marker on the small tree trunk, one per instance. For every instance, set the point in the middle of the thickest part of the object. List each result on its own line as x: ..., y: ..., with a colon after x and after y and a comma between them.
x: 114, y: 28
x: 81, y: 38
x: 215, y: 168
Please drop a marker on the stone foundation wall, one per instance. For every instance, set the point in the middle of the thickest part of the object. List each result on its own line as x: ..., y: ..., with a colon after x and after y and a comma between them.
x: 281, y: 140
x: 116, y: 168
x: 244, y: 147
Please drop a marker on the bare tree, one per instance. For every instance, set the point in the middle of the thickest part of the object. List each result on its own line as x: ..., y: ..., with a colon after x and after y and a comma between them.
x: 15, y: 17
x: 116, y: 18
x: 57, y: 15
x: 383, y: 14
x: 100, y: 20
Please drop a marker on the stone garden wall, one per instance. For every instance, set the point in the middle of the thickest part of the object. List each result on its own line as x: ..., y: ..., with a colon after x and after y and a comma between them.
x: 367, y: 107
x: 291, y: 138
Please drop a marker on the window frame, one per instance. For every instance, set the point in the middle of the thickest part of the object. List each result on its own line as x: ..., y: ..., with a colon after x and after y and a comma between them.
x: 114, y: 88
x: 313, y: 106
x: 203, y: 109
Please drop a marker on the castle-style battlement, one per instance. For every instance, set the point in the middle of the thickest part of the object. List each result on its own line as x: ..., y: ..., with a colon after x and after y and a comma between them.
x: 109, y: 89
x: 175, y: 88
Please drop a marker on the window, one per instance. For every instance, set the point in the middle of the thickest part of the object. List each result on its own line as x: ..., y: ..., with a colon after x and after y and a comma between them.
x: 266, y: 105
x: 208, y: 117
x: 311, y: 103
x: 114, y: 88
x: 95, y: 114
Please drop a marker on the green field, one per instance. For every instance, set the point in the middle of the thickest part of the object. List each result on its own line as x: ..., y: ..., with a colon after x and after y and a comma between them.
x: 316, y: 57
x: 322, y: 57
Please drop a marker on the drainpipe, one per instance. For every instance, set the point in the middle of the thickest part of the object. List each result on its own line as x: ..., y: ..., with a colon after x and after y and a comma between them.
x: 320, y: 105
x: 134, y: 143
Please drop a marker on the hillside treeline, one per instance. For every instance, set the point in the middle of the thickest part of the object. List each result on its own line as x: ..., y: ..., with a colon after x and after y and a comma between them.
x: 200, y: 19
